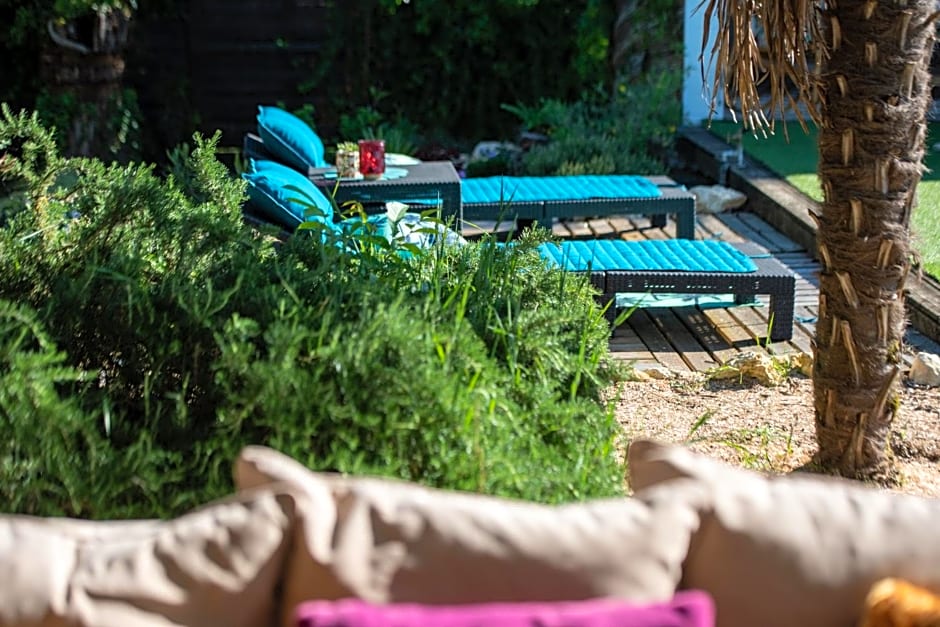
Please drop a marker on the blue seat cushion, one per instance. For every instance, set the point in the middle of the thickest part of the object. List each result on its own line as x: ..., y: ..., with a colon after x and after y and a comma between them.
x: 285, y: 196
x: 289, y: 139
x: 556, y: 188
x: 678, y: 255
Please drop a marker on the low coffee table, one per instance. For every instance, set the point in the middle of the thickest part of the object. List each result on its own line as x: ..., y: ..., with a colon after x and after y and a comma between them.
x: 428, y: 180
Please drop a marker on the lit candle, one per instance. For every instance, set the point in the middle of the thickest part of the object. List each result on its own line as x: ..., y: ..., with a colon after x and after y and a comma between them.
x: 372, y: 158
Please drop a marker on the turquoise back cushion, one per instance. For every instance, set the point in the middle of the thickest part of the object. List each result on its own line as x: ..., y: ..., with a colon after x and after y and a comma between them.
x: 290, y: 139
x: 285, y: 196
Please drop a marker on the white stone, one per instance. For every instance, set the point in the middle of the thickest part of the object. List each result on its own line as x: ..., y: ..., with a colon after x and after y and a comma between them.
x: 658, y: 372
x: 716, y: 198
x: 487, y: 150
x: 802, y: 363
x: 750, y: 364
x: 925, y: 370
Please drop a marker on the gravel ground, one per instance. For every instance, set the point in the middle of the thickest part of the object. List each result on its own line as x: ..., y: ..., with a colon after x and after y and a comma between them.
x: 771, y: 429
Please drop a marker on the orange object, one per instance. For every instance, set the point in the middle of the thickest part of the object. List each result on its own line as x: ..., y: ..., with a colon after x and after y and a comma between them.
x: 898, y: 603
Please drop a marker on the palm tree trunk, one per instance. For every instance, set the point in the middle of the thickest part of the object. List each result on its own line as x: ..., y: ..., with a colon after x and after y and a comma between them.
x: 875, y: 89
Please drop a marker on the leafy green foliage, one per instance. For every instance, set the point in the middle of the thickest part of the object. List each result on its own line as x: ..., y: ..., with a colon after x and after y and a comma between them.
x: 604, y: 134
x: 155, y: 334
x: 111, y: 128
x: 507, y: 51
x: 27, y: 150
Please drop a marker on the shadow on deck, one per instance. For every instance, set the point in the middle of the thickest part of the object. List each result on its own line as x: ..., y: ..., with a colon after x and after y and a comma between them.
x: 699, y: 338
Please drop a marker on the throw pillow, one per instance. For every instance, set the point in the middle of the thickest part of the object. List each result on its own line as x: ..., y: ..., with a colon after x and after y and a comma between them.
x: 686, y: 609
x: 285, y: 196
x: 386, y: 541
x: 290, y: 139
x: 219, y: 565
x: 792, y: 550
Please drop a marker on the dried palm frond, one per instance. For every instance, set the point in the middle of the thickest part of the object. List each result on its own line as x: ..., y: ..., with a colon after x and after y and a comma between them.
x: 743, y: 60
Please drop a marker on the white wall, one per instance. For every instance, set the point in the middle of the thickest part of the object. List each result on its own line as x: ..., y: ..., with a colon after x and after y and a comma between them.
x: 695, y: 94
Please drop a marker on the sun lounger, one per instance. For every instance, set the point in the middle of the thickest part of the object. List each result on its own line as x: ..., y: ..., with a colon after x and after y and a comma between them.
x: 682, y: 267
x: 542, y: 198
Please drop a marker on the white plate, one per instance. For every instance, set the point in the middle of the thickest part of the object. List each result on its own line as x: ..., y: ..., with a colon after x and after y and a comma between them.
x: 395, y: 158
x: 331, y: 174
x: 390, y: 174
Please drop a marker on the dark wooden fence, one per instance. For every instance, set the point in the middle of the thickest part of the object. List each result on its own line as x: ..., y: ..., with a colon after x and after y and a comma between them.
x: 222, y: 58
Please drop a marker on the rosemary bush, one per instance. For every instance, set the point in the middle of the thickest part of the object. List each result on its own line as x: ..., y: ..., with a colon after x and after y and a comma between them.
x: 147, y: 334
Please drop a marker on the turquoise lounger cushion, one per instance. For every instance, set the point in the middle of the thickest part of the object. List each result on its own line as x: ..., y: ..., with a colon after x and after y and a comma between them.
x: 289, y: 139
x: 679, y: 255
x: 556, y: 188
x: 285, y: 196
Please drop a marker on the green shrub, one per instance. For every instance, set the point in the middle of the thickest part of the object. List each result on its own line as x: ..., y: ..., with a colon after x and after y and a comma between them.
x: 605, y: 134
x: 508, y: 50
x: 160, y: 334
x: 76, y: 122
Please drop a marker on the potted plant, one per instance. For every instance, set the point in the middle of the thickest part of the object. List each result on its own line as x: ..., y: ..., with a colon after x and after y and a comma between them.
x: 347, y: 160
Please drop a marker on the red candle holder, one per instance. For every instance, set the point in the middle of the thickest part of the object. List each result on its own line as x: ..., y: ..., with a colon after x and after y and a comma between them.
x: 372, y: 158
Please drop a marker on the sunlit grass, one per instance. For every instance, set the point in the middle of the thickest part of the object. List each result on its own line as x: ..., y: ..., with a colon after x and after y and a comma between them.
x: 926, y: 226
x: 796, y: 160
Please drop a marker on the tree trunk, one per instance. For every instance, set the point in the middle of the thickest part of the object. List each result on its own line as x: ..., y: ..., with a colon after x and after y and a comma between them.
x: 875, y: 90
x: 634, y: 47
x: 83, y: 63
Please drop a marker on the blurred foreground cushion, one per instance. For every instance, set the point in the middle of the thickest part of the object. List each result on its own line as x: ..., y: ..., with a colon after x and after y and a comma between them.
x: 386, y: 541
x: 792, y: 550
x: 289, y: 139
x: 219, y: 565
x: 686, y: 609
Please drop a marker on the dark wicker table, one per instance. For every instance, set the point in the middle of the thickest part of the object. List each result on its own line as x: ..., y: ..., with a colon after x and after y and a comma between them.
x: 426, y: 180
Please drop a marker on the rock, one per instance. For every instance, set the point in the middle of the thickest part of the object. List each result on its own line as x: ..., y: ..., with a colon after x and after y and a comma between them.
x: 659, y: 373
x: 484, y: 151
x: 767, y: 370
x: 716, y: 198
x: 925, y: 370
x: 802, y: 363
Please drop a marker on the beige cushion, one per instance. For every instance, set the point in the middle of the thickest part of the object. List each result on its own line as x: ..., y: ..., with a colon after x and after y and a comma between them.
x: 794, y: 550
x: 391, y: 541
x: 219, y: 565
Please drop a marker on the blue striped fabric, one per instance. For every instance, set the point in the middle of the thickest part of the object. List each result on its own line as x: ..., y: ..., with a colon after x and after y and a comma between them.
x: 679, y: 255
x: 554, y: 188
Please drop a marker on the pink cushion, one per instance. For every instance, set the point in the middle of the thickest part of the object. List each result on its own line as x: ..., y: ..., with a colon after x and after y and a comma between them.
x: 688, y: 609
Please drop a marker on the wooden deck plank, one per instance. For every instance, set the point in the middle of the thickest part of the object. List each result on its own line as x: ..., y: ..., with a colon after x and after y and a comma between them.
x: 735, y: 223
x: 579, y: 229
x: 623, y: 228
x: 600, y: 228
x: 755, y: 324
x: 718, y: 229
x: 645, y: 327
x: 701, y: 326
x: 688, y: 346
x: 798, y: 343
x: 560, y: 229
x: 781, y: 243
x: 729, y: 328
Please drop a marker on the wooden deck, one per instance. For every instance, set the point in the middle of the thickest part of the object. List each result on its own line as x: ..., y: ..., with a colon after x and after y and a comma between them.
x: 698, y: 339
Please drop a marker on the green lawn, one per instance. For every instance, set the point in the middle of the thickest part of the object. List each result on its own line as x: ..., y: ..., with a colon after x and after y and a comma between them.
x: 796, y: 160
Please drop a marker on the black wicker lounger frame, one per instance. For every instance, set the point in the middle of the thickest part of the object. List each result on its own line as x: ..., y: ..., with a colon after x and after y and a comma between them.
x: 674, y: 199
x: 771, y: 278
